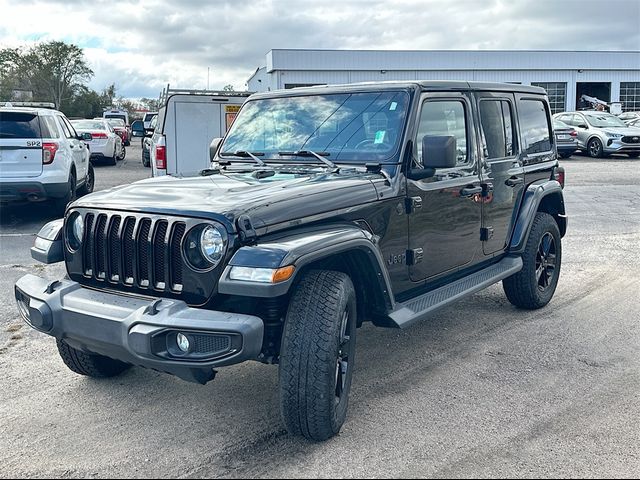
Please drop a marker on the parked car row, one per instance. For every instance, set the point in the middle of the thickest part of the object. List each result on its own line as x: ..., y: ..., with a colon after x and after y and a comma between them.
x: 105, y: 144
x: 597, y: 133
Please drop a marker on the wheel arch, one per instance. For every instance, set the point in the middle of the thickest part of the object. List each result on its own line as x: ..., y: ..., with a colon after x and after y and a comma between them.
x: 345, y: 248
x: 544, y: 197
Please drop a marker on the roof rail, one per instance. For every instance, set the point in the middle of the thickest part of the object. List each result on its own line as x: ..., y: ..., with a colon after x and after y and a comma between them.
x: 29, y: 104
x: 167, y: 92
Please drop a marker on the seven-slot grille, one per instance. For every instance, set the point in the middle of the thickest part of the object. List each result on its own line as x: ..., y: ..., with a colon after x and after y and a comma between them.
x: 134, y: 251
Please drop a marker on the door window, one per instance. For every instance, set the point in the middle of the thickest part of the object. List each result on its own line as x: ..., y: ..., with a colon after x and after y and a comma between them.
x: 496, y: 120
x: 444, y: 118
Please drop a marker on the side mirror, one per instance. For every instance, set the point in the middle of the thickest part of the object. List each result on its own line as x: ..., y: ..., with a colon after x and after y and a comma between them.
x: 87, y: 137
x: 213, y: 147
x: 137, y: 128
x: 437, y: 152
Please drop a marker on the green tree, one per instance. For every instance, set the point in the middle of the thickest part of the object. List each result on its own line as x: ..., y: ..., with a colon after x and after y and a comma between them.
x: 54, y: 70
x: 9, y: 72
x: 150, y: 104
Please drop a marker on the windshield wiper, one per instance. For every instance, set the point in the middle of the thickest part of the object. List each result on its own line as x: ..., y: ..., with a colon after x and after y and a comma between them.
x: 245, y: 154
x: 309, y: 153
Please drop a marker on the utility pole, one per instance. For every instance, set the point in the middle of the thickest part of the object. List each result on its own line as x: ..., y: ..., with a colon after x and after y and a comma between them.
x: 207, y: 78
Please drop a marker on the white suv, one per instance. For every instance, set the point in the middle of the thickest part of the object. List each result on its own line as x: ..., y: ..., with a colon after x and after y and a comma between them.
x: 42, y: 157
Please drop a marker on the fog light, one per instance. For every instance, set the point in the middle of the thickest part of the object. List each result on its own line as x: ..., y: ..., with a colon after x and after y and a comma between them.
x: 183, y: 342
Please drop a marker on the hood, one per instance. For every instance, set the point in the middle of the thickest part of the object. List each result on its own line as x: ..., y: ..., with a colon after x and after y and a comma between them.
x: 626, y: 131
x: 280, y: 197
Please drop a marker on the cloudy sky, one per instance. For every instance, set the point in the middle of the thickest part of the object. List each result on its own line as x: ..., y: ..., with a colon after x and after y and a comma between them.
x: 143, y: 45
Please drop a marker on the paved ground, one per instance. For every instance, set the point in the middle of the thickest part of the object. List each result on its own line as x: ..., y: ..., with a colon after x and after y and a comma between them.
x: 480, y: 390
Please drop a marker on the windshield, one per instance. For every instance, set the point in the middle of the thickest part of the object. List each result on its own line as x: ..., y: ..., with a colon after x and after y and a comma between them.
x: 124, y: 118
x: 116, y: 122
x: 88, y: 125
x: 346, y: 126
x: 604, y: 120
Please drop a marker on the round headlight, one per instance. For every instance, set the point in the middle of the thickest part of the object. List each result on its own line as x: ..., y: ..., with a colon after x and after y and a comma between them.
x: 204, y: 246
x: 75, y: 230
x: 212, y: 244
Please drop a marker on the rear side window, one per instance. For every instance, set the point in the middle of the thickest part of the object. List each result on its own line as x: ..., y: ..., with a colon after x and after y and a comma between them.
x: 495, y: 117
x: 49, y: 127
x: 19, y: 125
x: 534, y: 126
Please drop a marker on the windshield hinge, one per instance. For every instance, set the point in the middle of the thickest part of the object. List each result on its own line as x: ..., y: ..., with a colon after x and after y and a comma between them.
x: 246, y: 230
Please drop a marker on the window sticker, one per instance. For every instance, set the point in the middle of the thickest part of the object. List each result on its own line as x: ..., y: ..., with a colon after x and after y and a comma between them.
x: 393, y: 106
x: 380, y: 136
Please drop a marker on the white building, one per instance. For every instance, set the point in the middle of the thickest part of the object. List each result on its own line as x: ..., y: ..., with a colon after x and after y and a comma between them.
x: 566, y: 75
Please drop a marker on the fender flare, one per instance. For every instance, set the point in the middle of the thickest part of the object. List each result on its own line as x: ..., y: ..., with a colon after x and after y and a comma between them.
x: 301, y: 248
x: 546, y: 194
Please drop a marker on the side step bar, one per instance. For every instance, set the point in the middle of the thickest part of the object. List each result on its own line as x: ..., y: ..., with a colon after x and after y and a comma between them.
x: 416, y: 309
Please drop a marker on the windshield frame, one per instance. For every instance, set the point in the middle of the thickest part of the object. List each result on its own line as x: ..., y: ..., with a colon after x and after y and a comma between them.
x: 392, y: 158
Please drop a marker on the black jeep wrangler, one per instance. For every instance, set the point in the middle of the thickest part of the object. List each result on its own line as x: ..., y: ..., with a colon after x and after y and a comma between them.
x: 323, y: 208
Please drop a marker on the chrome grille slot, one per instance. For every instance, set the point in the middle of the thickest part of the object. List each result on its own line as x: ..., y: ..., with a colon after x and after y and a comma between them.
x: 115, y: 248
x: 176, y: 256
x: 159, y: 254
x: 128, y: 250
x: 87, y: 254
x: 99, y: 247
x: 143, y: 252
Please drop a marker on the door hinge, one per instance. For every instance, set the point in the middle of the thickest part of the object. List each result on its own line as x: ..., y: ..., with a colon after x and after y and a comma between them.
x: 412, y: 204
x: 486, y: 233
x: 414, y: 256
x: 246, y: 230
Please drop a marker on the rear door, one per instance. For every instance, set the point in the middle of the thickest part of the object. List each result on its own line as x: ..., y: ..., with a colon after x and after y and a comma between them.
x: 196, y: 124
x: 502, y: 168
x: 20, y: 144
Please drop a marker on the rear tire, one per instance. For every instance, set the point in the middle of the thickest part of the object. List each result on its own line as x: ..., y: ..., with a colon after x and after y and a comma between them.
x: 123, y: 153
x: 317, y: 355
x: 89, y: 364
x: 89, y: 182
x: 60, y: 204
x: 533, y: 286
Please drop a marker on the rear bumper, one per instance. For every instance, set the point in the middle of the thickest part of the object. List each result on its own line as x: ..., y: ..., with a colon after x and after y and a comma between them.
x: 31, y: 191
x: 139, y: 331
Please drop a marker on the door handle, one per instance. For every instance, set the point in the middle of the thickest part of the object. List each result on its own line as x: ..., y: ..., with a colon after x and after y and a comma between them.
x: 513, y: 181
x: 470, y: 190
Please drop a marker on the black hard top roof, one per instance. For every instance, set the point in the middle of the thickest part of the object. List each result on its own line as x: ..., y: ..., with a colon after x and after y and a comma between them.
x: 427, y: 85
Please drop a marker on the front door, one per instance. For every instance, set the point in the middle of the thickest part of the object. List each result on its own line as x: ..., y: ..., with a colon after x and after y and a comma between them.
x: 501, y: 168
x: 444, y: 223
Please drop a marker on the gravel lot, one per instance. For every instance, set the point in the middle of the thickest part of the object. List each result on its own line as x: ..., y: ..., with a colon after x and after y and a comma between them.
x: 480, y: 390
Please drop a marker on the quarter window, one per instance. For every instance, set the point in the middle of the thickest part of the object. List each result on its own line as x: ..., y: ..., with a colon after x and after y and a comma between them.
x: 49, y: 127
x: 496, y: 119
x: 444, y: 118
x: 534, y: 125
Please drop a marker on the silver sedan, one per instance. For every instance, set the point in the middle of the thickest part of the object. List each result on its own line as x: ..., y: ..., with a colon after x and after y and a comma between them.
x: 106, y: 143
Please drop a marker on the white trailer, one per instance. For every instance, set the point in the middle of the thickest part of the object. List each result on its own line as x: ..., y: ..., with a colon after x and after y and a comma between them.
x: 187, y: 122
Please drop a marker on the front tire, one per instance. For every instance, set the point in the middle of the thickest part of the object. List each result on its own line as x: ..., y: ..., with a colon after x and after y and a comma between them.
x: 594, y: 148
x: 89, y: 364
x: 565, y: 155
x: 533, y: 286
x: 317, y: 355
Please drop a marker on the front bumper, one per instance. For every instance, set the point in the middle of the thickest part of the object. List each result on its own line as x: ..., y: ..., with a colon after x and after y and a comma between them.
x: 617, y: 146
x: 139, y: 331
